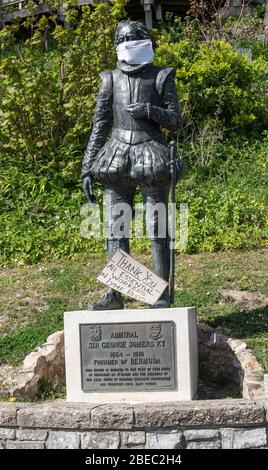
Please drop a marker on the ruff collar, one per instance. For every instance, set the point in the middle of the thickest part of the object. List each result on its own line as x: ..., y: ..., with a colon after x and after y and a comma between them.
x: 131, y: 69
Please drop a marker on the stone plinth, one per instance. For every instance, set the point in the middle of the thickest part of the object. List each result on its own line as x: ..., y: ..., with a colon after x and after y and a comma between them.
x: 158, y: 364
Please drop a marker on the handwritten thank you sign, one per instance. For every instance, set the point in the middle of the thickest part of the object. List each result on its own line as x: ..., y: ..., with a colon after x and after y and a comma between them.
x: 126, y: 275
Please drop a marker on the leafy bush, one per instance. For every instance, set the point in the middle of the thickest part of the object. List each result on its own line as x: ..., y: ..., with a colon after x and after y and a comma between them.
x: 41, y: 220
x: 215, y: 81
x: 227, y: 200
x: 48, y: 86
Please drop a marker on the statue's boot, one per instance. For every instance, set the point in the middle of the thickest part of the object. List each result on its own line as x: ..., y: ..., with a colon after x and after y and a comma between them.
x: 160, y: 254
x: 111, y: 300
x: 163, y: 301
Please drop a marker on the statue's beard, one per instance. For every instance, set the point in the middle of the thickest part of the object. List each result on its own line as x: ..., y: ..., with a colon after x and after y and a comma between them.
x: 135, y: 52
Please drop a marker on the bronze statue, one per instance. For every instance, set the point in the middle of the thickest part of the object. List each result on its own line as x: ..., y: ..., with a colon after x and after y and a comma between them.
x: 135, y: 100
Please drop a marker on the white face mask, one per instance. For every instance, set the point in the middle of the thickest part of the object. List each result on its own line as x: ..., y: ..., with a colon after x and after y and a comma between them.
x: 135, y: 52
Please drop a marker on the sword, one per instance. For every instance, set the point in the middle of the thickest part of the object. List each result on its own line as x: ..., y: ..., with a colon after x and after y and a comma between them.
x: 172, y: 241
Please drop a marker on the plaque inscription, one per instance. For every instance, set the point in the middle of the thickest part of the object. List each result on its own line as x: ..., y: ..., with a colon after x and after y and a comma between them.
x: 127, y: 356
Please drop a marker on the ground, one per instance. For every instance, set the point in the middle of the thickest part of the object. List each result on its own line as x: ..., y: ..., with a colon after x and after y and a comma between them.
x: 33, y: 298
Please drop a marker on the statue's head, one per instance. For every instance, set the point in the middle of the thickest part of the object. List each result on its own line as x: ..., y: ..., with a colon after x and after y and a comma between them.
x: 132, y: 31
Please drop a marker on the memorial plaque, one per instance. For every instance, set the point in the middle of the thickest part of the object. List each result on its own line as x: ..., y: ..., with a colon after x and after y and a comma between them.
x: 128, y: 356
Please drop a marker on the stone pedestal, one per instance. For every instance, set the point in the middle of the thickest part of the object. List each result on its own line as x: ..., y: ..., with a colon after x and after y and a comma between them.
x: 147, y: 355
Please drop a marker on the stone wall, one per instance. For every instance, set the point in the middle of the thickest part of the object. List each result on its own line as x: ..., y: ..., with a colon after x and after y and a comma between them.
x: 229, y: 362
x: 226, y: 424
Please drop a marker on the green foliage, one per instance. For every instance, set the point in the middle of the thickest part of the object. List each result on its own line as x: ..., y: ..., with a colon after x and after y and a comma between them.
x: 48, y: 87
x: 227, y: 196
x: 260, y: 11
x: 47, y: 392
x: 40, y: 218
x: 215, y: 81
x: 225, y: 188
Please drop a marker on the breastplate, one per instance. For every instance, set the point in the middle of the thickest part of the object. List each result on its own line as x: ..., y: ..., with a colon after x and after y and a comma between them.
x: 129, y: 89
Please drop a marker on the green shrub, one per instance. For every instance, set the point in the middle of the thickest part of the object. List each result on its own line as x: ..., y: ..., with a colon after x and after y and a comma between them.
x: 227, y: 207
x: 41, y: 220
x: 215, y: 81
x: 48, y: 87
x: 228, y: 196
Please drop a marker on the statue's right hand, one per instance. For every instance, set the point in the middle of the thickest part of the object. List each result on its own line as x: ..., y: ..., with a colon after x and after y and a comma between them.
x: 87, y: 187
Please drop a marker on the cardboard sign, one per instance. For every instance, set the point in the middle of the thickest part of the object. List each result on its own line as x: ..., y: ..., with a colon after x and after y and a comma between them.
x: 126, y: 275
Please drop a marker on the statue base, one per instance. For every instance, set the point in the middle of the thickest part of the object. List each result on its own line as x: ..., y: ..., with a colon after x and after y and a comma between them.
x: 146, y: 355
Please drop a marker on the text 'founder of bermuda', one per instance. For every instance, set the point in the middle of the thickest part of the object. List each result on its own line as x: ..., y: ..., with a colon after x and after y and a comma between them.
x: 135, y: 100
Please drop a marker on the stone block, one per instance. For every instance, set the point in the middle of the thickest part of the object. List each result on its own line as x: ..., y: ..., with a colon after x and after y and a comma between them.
x: 204, y: 445
x: 55, y: 415
x: 233, y: 438
x: 184, y: 350
x: 31, y: 435
x: 24, y: 445
x: 7, y: 433
x: 202, y: 413
x: 8, y: 414
x: 132, y: 438
x: 63, y: 440
x: 112, y: 417
x: 201, y: 434
x: 100, y: 440
x: 164, y: 440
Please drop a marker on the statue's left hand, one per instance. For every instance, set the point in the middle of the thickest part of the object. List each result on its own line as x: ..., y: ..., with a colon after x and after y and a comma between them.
x: 87, y: 187
x: 139, y: 110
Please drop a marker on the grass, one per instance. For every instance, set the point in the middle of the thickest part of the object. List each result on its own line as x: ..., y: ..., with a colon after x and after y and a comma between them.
x: 33, y: 299
x: 16, y: 345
